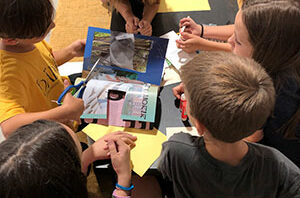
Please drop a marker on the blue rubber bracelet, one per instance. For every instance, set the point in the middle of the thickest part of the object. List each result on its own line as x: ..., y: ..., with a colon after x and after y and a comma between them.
x: 124, y: 188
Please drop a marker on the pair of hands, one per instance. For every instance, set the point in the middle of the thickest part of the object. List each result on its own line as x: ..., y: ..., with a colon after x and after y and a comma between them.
x: 117, y: 146
x: 190, y: 38
x: 134, y: 25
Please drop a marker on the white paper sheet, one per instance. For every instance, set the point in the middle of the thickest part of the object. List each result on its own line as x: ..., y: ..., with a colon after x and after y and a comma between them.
x: 173, y: 130
x: 175, y: 55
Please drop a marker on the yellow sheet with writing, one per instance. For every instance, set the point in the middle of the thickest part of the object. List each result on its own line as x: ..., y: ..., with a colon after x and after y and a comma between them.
x: 183, y: 6
x: 147, y: 149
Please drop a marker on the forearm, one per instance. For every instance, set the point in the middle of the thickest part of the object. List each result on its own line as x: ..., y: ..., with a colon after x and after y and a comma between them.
x: 218, y: 32
x: 124, y: 180
x: 87, y: 158
x: 207, y: 45
x: 124, y: 8
x: 13, y: 123
x: 64, y: 55
x: 150, y: 11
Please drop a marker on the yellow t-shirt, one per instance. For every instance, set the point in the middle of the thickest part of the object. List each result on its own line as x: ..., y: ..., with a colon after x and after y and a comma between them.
x: 240, y: 3
x: 28, y: 81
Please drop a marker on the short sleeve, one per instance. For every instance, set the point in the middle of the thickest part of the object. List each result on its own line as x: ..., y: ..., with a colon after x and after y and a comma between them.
x: 49, y: 48
x: 13, y: 95
x: 290, y: 183
x: 164, y: 165
x: 240, y: 3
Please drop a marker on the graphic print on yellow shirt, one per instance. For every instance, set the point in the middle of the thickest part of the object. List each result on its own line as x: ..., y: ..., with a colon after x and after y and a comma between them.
x: 28, y: 81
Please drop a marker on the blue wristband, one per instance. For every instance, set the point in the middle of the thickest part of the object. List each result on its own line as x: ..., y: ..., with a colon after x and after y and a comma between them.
x: 124, y: 188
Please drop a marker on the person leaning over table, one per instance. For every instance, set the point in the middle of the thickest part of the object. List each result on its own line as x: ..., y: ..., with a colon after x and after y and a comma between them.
x: 276, y: 47
x: 134, y: 16
x: 45, y: 159
x: 228, y: 98
x: 29, y: 77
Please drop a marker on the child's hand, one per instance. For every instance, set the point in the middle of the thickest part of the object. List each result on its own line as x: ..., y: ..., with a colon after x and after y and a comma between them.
x: 178, y: 90
x: 73, y: 107
x: 125, y: 137
x: 131, y: 25
x: 189, y: 42
x: 99, y: 150
x: 100, y: 147
x: 77, y: 48
x: 145, y: 28
x: 120, y: 158
x: 190, y: 26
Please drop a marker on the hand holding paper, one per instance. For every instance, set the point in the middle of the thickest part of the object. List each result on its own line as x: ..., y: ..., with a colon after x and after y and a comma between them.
x: 175, y: 55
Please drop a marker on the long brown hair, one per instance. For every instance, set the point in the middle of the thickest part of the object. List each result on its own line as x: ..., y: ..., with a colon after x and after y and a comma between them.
x: 41, y: 160
x: 274, y: 28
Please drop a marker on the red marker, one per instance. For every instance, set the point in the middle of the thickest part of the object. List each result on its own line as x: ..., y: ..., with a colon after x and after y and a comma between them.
x: 182, y: 107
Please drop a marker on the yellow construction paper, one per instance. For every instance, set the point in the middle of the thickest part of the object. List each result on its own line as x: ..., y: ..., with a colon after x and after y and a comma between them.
x: 147, y: 149
x: 182, y: 6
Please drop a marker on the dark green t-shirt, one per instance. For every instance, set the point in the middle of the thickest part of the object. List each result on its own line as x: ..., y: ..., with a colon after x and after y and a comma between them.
x: 263, y: 173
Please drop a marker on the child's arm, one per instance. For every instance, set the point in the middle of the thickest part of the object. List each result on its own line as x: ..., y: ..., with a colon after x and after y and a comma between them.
x: 210, y: 32
x: 150, y: 11
x: 76, y: 49
x: 190, y: 43
x: 98, y: 150
x: 218, y: 32
x: 120, y: 158
x: 124, y: 8
x: 71, y: 109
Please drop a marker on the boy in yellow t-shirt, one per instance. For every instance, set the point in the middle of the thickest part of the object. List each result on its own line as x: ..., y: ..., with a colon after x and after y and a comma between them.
x: 29, y: 78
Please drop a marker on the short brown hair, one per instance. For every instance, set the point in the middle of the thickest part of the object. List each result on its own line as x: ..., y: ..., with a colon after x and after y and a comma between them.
x: 231, y: 96
x: 25, y: 19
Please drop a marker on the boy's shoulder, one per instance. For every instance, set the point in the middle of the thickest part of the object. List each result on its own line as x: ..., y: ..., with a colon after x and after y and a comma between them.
x: 184, y: 139
x: 183, y: 145
x: 11, y: 59
x: 271, y: 156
